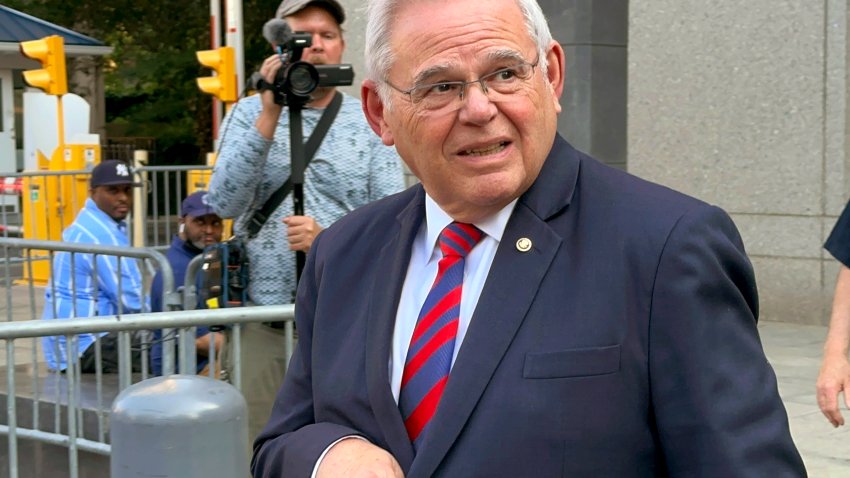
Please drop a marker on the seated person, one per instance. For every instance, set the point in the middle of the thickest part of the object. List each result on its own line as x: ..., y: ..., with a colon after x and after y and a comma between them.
x: 88, y: 285
x: 199, y: 226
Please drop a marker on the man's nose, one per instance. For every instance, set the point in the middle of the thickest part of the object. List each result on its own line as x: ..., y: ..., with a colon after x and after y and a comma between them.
x: 476, y: 106
x: 318, y: 43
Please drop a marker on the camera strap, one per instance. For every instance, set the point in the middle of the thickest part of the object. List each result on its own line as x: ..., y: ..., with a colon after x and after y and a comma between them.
x: 262, y: 215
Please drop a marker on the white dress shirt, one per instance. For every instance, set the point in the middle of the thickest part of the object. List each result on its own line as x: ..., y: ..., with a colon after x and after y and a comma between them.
x: 422, y: 270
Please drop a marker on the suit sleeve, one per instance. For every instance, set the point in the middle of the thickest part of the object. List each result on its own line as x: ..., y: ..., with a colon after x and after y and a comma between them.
x: 838, y: 242
x: 714, y: 395
x: 292, y: 440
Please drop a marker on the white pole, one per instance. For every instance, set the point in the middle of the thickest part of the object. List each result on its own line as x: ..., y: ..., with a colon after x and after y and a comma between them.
x: 215, y: 42
x: 235, y: 38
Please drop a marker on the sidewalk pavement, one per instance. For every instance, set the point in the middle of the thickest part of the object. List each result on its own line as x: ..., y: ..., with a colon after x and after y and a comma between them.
x: 795, y: 353
x: 793, y: 350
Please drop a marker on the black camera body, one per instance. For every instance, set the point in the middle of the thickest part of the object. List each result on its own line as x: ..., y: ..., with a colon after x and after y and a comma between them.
x: 296, y: 79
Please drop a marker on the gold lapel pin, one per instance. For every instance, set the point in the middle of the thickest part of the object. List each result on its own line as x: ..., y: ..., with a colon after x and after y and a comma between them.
x: 523, y: 244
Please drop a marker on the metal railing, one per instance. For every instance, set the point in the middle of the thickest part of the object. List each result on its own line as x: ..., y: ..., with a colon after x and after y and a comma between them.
x: 80, y: 403
x: 155, y: 212
x: 11, y: 331
x: 163, y: 189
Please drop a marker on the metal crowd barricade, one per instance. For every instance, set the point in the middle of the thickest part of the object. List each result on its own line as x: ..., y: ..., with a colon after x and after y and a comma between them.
x: 73, y: 439
x: 24, y: 303
x: 28, y: 201
x: 163, y: 188
x: 40, y: 204
x: 190, y: 301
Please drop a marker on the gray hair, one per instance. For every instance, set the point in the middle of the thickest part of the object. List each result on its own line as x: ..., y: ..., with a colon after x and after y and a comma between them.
x: 379, y: 55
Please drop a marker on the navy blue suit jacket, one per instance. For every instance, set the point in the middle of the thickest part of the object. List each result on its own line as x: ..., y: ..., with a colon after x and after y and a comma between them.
x: 624, y: 344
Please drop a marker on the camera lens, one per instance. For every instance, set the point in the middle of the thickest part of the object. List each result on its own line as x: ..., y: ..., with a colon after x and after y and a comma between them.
x: 302, y: 78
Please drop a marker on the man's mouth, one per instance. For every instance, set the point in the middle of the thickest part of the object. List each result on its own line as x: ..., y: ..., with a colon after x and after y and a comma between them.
x: 485, y: 151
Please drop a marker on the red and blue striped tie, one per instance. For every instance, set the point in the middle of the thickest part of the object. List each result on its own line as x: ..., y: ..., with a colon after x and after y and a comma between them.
x: 429, y: 357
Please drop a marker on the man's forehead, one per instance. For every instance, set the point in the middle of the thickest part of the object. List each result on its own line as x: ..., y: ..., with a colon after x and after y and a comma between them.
x: 204, y: 217
x: 107, y: 187
x: 439, y: 36
x: 486, y: 59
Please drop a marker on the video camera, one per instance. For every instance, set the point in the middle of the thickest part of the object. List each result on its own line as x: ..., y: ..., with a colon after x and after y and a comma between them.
x: 296, y: 79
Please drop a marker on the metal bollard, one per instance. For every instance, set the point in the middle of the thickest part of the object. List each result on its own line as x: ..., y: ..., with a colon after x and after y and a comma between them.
x: 180, y: 426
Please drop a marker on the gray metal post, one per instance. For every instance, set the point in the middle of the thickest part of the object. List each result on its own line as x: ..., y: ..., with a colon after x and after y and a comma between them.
x: 181, y: 426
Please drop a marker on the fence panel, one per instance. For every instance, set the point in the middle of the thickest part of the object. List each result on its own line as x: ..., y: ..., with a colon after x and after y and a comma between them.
x: 163, y: 188
x: 74, y: 437
x: 71, y: 409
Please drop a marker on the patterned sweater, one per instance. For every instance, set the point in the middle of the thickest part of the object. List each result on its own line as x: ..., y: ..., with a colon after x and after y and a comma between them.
x: 351, y: 168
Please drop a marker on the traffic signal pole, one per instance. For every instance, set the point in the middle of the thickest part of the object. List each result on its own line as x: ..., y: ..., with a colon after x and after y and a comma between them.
x: 236, y: 39
x: 215, y: 42
x: 60, y: 122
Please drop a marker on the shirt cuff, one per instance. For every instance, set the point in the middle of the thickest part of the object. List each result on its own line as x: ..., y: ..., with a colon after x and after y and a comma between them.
x: 322, y: 456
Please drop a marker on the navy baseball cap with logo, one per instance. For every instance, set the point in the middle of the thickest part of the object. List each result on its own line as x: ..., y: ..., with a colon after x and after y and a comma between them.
x: 112, y: 172
x: 196, y: 205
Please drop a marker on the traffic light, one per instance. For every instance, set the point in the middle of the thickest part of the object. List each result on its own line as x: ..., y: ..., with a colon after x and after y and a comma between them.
x: 50, y: 51
x: 223, y: 85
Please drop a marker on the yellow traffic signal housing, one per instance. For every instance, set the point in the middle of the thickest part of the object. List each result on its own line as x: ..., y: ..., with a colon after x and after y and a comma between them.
x: 223, y: 85
x: 50, y: 51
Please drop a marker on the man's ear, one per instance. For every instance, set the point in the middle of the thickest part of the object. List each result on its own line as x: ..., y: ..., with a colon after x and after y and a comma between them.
x: 374, y: 110
x: 555, y: 72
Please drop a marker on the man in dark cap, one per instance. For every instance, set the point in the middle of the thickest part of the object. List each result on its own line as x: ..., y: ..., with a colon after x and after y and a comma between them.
x: 88, y: 285
x: 199, y: 226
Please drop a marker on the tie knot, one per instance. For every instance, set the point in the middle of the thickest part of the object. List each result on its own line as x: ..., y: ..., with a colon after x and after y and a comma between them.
x: 458, y: 238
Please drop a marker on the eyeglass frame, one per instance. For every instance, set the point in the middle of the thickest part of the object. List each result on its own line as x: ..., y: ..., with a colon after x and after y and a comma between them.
x: 465, y: 84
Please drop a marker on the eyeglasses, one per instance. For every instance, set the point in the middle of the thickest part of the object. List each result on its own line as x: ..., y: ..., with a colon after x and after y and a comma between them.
x: 449, y: 95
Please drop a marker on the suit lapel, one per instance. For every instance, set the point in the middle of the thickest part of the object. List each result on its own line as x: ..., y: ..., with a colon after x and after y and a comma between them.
x: 392, y: 261
x: 508, y: 293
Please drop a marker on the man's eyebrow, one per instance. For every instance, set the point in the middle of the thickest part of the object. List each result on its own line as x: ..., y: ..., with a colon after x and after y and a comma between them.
x: 425, y: 75
x: 505, y: 54
x: 496, y: 56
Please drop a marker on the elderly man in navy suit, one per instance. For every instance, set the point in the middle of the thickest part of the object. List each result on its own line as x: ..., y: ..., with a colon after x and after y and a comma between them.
x: 525, y: 311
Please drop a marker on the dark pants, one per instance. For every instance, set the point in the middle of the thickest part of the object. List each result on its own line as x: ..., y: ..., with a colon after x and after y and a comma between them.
x: 109, y: 355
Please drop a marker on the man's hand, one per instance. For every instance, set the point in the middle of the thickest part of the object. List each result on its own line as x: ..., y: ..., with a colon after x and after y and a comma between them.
x: 269, y: 115
x: 833, y: 379
x: 301, y: 231
x: 356, y: 458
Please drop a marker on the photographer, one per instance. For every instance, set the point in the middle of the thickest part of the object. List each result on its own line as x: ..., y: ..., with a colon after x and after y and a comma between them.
x: 350, y: 168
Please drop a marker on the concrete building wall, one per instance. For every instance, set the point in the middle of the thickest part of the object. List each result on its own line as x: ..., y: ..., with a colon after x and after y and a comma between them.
x: 741, y: 104
x: 744, y: 105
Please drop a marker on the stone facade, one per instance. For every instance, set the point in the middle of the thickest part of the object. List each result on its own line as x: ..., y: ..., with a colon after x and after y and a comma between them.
x: 741, y: 104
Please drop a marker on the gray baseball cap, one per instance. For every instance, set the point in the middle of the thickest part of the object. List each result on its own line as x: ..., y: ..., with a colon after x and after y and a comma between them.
x: 291, y: 7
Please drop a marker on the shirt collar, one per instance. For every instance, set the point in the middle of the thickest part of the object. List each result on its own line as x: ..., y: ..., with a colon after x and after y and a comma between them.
x: 436, y: 220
